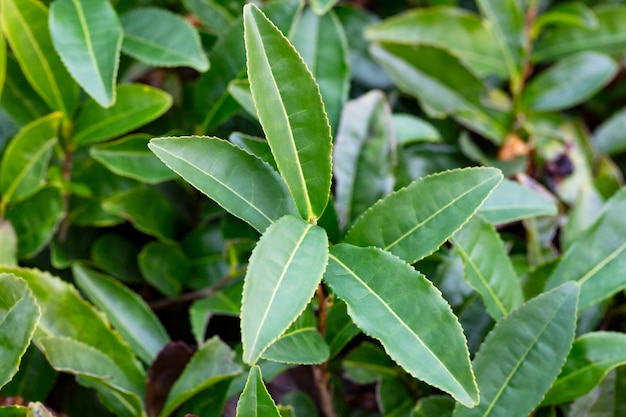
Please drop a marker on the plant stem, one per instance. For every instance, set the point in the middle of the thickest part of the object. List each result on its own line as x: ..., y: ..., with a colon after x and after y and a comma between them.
x: 320, y: 372
x: 67, y: 177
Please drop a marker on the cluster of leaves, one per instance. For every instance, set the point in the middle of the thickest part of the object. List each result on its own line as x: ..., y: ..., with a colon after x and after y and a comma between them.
x: 460, y: 255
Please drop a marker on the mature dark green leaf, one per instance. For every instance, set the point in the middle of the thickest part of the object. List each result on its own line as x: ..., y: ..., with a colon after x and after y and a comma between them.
x: 570, y: 81
x: 291, y: 112
x: 214, y: 16
x: 19, y: 315
x: 609, y: 136
x: 25, y: 160
x: 363, y: 155
x: 322, y: 43
x: 597, y: 256
x: 394, y: 398
x: 210, y: 364
x: 538, y: 335
x: 340, y: 328
x: 255, y: 400
x: 573, y: 13
x: 442, y: 83
x: 609, y: 36
x: 129, y: 314
x: 87, y: 35
x: 411, y: 226
x: 161, y: 38
x: 417, y: 328
x: 19, y: 100
x: 25, y: 24
x: 488, y: 268
x: 35, y: 220
x: 592, y: 356
x: 227, y: 302
x: 367, y: 363
x: 284, y: 270
x: 452, y: 28
x: 135, y: 105
x: 35, y: 378
x: 238, y: 181
x: 165, y: 267
x: 434, y: 406
x: 130, y: 157
x: 603, y: 401
x: 510, y: 201
x: 8, y: 244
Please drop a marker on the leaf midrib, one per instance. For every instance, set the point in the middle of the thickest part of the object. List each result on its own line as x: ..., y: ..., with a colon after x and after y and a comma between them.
x: 27, y: 167
x: 150, y: 43
x: 87, y: 37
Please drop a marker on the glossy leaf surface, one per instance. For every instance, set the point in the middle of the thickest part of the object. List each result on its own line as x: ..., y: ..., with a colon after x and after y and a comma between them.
x: 413, y: 222
x: 284, y: 271
x: 302, y: 345
x: 135, y: 106
x: 291, y: 112
x: 25, y: 24
x: 19, y: 315
x: 129, y: 313
x: 488, y: 268
x: 25, y: 160
x: 255, y: 400
x: 238, y: 181
x: 538, y: 335
x: 87, y: 35
x: 162, y: 39
x: 417, y: 329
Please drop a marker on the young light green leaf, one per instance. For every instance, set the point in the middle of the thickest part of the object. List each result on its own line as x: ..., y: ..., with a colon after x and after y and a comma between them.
x: 607, y: 37
x: 19, y: 315
x: 210, y: 364
x: 18, y: 99
x: 412, y: 226
x: 165, y: 267
x: 216, y: 168
x: 510, y: 201
x: 284, y: 270
x: 417, y: 328
x: 463, y: 33
x: 321, y: 7
x: 442, y: 83
x: 129, y: 313
x: 322, y: 43
x: 363, y: 156
x: 570, y: 81
x: 508, y: 23
x: 595, y: 258
x: 538, y: 335
x: 161, y: 38
x: 302, y: 345
x: 135, y: 105
x: 25, y: 160
x: 255, y: 400
x: 410, y: 129
x: 130, y: 157
x: 8, y: 244
x: 240, y: 90
x: 488, y: 268
x: 609, y: 136
x: 592, y: 356
x: 25, y: 24
x: 291, y: 112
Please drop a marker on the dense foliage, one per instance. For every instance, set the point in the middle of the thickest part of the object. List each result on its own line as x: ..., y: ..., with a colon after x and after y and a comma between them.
x: 328, y: 209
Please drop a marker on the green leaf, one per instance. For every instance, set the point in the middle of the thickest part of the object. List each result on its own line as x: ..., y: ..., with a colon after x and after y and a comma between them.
x: 411, y: 226
x: 129, y: 313
x: 570, y: 81
x: 35, y: 378
x: 367, y: 363
x: 8, y: 244
x: 597, y: 256
x: 508, y: 22
x: 161, y: 38
x: 255, y: 400
x: 488, y: 268
x: 130, y: 157
x: 609, y: 36
x: 410, y: 129
x: 14, y: 411
x: 19, y: 99
x: 284, y: 270
x: 340, y: 328
x: 510, y: 201
x: 212, y: 363
x: 609, y: 137
x: 576, y: 14
x: 35, y: 220
x: 461, y: 32
x: 240, y: 90
x: 434, y: 406
x: 536, y: 336
x: 155, y: 219
x: 606, y: 400
x: 25, y: 160
x: 165, y: 267
x: 299, y: 345
x: 291, y: 112
x: 73, y: 356
x: 363, y: 155
x: 321, y: 7
x: 442, y: 83
x: 136, y: 105
x: 393, y: 397
x: 25, y: 24
x: 226, y: 302
x: 592, y: 356
x: 214, y: 16
x: 417, y: 328
x: 238, y: 181
x: 19, y: 315
x: 255, y: 145
x: 3, y: 61
x: 88, y: 37
x: 322, y: 43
